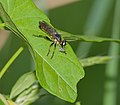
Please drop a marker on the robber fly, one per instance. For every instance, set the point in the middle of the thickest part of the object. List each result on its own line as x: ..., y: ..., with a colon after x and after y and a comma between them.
x: 55, y: 37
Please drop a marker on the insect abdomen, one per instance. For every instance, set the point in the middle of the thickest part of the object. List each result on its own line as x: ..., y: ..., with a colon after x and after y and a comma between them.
x: 48, y: 29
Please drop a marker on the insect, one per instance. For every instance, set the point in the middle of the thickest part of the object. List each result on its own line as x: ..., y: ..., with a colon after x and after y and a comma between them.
x: 55, y: 37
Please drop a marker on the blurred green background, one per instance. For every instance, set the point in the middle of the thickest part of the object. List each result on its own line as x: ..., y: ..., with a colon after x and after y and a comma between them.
x: 89, y: 17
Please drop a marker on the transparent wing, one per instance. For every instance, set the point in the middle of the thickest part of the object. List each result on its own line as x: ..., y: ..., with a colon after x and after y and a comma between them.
x: 68, y: 36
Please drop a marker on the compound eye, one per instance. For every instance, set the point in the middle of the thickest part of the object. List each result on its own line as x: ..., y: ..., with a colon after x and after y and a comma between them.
x: 64, y: 43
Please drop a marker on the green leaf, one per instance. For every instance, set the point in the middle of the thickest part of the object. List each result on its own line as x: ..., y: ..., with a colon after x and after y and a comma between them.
x: 90, y: 61
x: 3, y: 100
x: 30, y: 95
x: 2, y: 25
x: 24, y: 82
x: 86, y: 38
x: 59, y: 75
x: 4, y: 15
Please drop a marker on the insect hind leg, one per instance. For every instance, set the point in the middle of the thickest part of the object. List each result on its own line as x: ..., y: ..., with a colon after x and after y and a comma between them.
x: 53, y: 50
x: 45, y: 37
x: 53, y: 43
x: 50, y: 48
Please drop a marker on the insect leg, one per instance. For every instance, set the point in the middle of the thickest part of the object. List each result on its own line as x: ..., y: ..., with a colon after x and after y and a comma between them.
x: 45, y: 37
x: 53, y: 50
x: 49, y: 48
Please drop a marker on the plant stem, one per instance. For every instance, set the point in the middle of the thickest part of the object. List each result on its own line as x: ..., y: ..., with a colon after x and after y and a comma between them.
x: 11, y: 60
x: 110, y: 87
x: 2, y: 25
